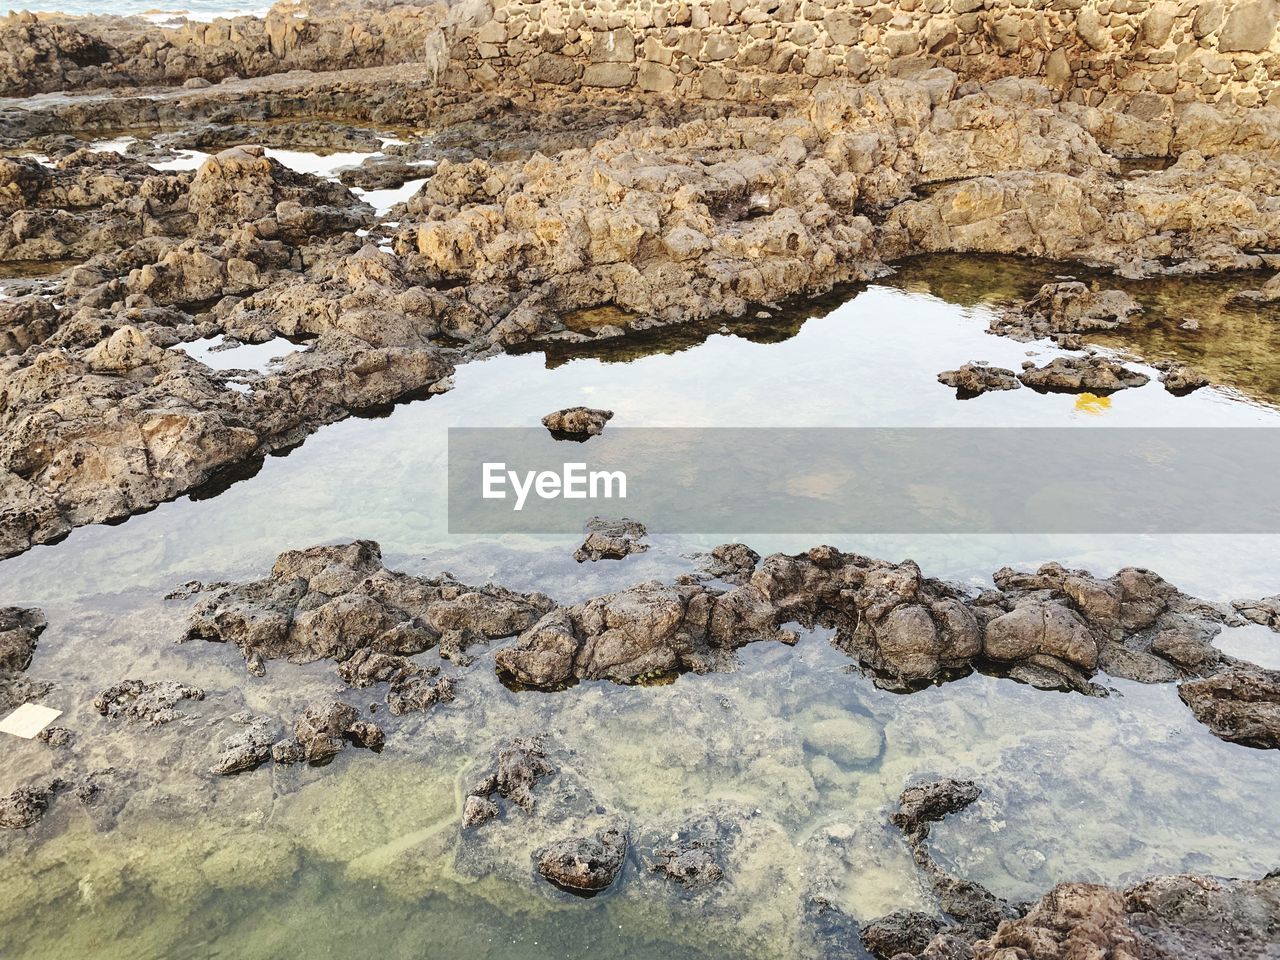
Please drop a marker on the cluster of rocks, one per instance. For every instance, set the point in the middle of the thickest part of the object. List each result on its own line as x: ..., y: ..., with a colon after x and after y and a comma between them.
x: 141, y: 701
x: 337, y: 602
x: 1054, y: 628
x: 1164, y: 917
x: 163, y: 247
x: 40, y: 54
x: 1087, y: 373
x: 320, y: 734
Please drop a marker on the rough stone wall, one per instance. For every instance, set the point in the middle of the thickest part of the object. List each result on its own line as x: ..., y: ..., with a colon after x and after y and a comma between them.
x: 1219, y: 51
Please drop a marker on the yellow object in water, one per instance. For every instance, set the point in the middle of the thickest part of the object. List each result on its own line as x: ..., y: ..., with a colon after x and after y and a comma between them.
x: 1092, y: 404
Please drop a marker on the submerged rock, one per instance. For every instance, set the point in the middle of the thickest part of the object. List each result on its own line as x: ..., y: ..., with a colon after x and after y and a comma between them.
x: 248, y: 749
x: 323, y: 730
x: 24, y: 807
x: 974, y: 379
x: 20, y: 629
x: 518, y: 767
x: 585, y: 864
x: 903, y: 931
x: 1092, y: 374
x: 577, y: 423
x: 411, y: 687
x: 611, y: 539
x: 1240, y: 704
x: 691, y: 864
x: 141, y: 701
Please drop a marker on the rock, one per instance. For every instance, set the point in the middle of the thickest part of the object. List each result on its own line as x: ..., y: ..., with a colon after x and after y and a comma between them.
x: 323, y: 730
x: 1176, y: 917
x: 246, y: 750
x: 692, y: 865
x: 1265, y: 612
x: 731, y: 562
x: 410, y: 687
x: 518, y: 767
x: 585, y: 865
x: 1064, y: 308
x: 928, y: 802
x: 141, y: 701
x: 974, y: 379
x: 1180, y: 379
x: 477, y: 810
x: 20, y: 629
x: 577, y: 423
x: 1240, y: 704
x: 611, y: 540
x: 903, y: 931
x: 1092, y: 374
x: 333, y: 602
x: 24, y: 807
x: 1052, y: 629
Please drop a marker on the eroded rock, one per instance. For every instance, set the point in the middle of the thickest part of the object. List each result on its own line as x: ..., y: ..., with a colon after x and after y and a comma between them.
x: 577, y: 423
x: 585, y: 865
x: 20, y: 629
x: 1240, y: 704
x: 333, y: 602
x: 611, y: 539
x: 153, y: 703
x: 1091, y: 374
x: 974, y: 379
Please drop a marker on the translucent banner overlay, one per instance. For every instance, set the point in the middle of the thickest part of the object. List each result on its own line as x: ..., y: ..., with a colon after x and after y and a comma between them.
x: 869, y: 480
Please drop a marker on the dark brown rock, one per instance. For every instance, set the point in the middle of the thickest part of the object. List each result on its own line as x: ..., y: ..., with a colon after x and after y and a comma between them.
x: 585, y: 865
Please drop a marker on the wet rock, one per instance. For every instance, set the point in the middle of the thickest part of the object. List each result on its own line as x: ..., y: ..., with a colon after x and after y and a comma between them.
x: 611, y: 540
x: 1175, y: 917
x: 903, y: 931
x: 585, y: 865
x: 518, y: 767
x: 477, y: 810
x: 140, y: 701
x: 248, y: 749
x: 332, y: 602
x: 974, y: 379
x: 1179, y: 378
x: 20, y: 629
x: 1240, y: 704
x: 577, y: 423
x: 929, y: 802
x: 692, y: 865
x: 1092, y: 374
x: 1065, y: 308
x: 411, y: 687
x: 323, y: 730
x: 24, y: 807
x: 975, y: 910
x: 1034, y: 628
x: 1265, y: 612
x: 56, y: 737
x: 731, y: 562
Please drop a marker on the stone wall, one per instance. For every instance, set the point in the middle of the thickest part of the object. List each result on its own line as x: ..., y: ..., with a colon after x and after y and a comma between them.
x: 1219, y: 51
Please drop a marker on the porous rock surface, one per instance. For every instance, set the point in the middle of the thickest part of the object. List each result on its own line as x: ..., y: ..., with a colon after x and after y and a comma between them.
x: 334, y: 602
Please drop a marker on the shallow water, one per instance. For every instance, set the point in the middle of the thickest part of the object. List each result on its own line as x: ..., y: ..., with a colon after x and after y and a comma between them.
x: 363, y: 856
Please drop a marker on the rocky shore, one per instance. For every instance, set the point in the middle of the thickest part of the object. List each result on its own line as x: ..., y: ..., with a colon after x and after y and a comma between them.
x: 576, y: 174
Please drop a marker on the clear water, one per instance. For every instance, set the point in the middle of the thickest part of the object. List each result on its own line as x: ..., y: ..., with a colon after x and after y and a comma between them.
x: 363, y: 857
